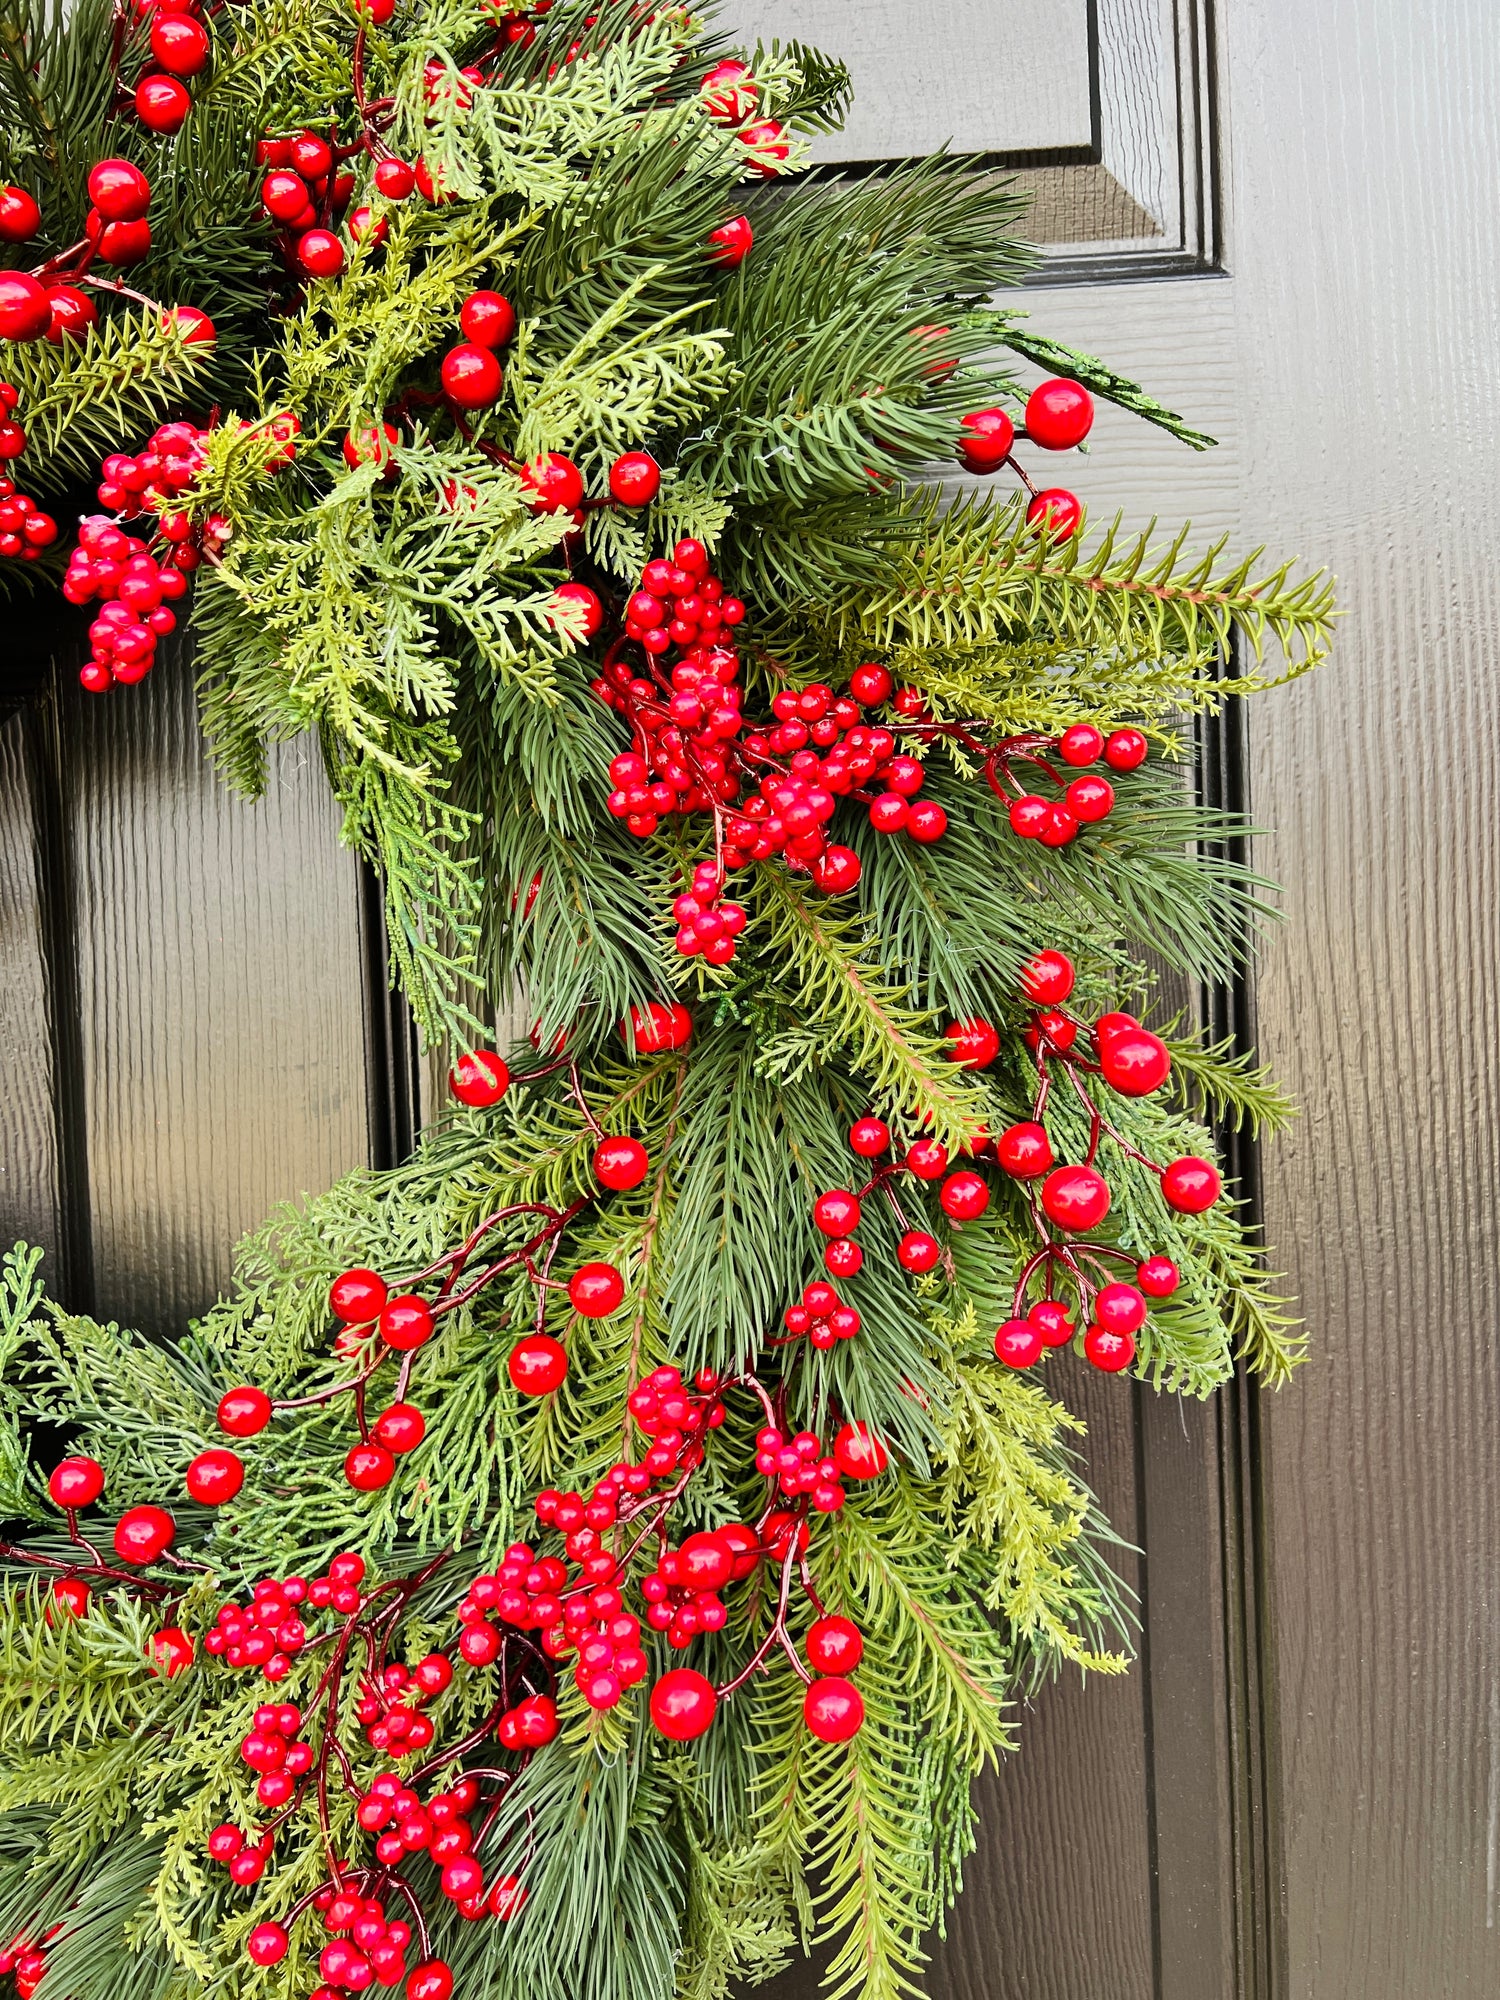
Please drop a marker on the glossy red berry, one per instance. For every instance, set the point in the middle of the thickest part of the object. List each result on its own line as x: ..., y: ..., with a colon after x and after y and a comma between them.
x: 395, y: 180
x: 985, y: 440
x: 837, y: 869
x: 1121, y: 1308
x: 1109, y: 1350
x: 655, y: 1028
x: 1108, y: 1026
x: 927, y: 1159
x: 870, y: 1137
x: 621, y: 1163
x: 431, y: 1981
x: 537, y: 1364
x: 372, y: 444
x: 926, y: 821
x: 635, y: 479
x: 169, y: 1652
x: 224, y: 1843
x: 214, y: 1478
x: 731, y: 242
x: 1048, y: 978
x: 244, y: 1413
x: 833, y: 1710
x: 400, y: 1429
x: 20, y: 218
x: 1059, y: 511
x: 1126, y: 750
x: 1059, y: 414
x: 1050, y: 1317
x: 1090, y: 799
x: 1024, y: 1150
x: 1018, y: 1343
x: 76, y: 1482
x: 179, y: 43
x: 267, y: 1944
x: 1134, y: 1062
x: 836, y: 1213
x: 406, y: 1322
x: 596, y: 1290
x: 1191, y: 1185
x: 858, y: 1453
x: 871, y: 684
x: 320, y: 253
x: 683, y: 1703
x: 834, y: 1645
x: 368, y: 1467
x: 479, y: 1079
x: 1158, y: 1277
x: 1075, y: 1197
x: 553, y: 484
x: 472, y: 377
x: 843, y: 1257
x: 488, y: 318
x: 124, y: 243
x: 119, y: 190
x: 1080, y: 745
x: 72, y: 1595
x: 974, y: 1044
x: 1029, y: 816
x: 162, y: 104
x: 917, y: 1251
x: 964, y: 1196
x: 143, y: 1533
x: 25, y: 309
x: 355, y: 1296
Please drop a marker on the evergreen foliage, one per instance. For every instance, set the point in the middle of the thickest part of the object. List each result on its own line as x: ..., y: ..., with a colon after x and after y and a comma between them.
x: 404, y: 614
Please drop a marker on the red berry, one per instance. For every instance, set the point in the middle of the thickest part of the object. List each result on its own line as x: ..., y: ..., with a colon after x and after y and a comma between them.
x: 964, y: 1196
x: 870, y: 1137
x: 214, y: 1477
x: 1108, y: 1026
x: 1158, y: 1277
x: 728, y: 92
x: 1019, y: 1343
x: 1051, y: 1317
x: 1082, y: 744
x: 871, y: 684
x: 1029, y: 816
x: 472, y: 377
x: 20, y: 218
x: 179, y: 43
x: 927, y: 1159
x: 73, y: 313
x: 859, y: 1453
x: 836, y: 1213
x: 843, y: 1257
x: 926, y: 821
x: 1075, y: 1197
x: 1109, y: 1350
x: 596, y: 1290
x: 833, y: 1710
x: 538, y: 1364
x: 371, y: 444
x: 1059, y: 829
x: 406, y: 1322
x: 143, y: 1533
x: 486, y: 317
x: 1048, y: 978
x: 432, y: 1981
x: 1121, y: 1308
x: 1059, y: 511
x: 170, y: 1652
x: 1089, y: 800
x: 395, y: 180
x: 635, y: 479
x: 354, y: 1296
x: 224, y: 1843
x: 554, y: 483
x: 767, y: 140
x: 76, y: 1482
x: 72, y: 1595
x: 124, y: 243
x: 368, y: 1467
x: 119, y: 190
x: 834, y: 1645
x: 973, y: 1044
x: 985, y: 440
x: 366, y: 226
x: 479, y: 1079
x: 655, y: 1028
x: 507, y: 1897
x: 836, y: 870
x: 1024, y: 1150
x: 621, y: 1163
x: 162, y: 104
x: 889, y: 812
x: 267, y: 1944
x: 320, y: 253
x: 1126, y: 750
x: 731, y: 241
x: 1134, y: 1062
x: 1191, y: 1185
x: 1059, y: 414
x: 917, y: 1251
x: 400, y: 1429
x: 683, y: 1705
x: 25, y: 309
x: 244, y: 1413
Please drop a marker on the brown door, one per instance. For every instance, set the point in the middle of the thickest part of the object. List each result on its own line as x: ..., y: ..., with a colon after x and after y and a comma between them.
x: 1283, y: 218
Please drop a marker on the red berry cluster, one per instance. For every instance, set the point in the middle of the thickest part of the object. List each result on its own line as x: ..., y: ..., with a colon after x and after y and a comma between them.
x: 665, y: 1409
x: 135, y: 593
x: 441, y: 1829
x: 27, y: 1961
x: 390, y: 1707
x: 304, y: 193
x: 269, y: 1633
x: 607, y: 1640
x: 1085, y: 800
x: 274, y: 1751
x: 26, y: 530
x: 472, y: 375
x: 682, y: 1592
x: 731, y: 96
x: 821, y: 1314
x: 1059, y: 416
x: 245, y: 1860
x: 798, y: 1465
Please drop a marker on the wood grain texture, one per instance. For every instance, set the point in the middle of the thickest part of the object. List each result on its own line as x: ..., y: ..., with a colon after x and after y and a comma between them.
x: 1365, y: 233
x: 221, y: 993
x: 28, y: 1148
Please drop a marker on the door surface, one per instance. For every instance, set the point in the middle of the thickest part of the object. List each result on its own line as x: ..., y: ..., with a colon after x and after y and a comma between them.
x: 1283, y: 219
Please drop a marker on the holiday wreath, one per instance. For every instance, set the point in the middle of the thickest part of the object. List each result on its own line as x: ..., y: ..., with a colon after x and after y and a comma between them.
x: 600, y: 1553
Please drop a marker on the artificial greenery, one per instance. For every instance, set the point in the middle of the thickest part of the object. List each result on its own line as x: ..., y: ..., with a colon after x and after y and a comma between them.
x: 403, y: 614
